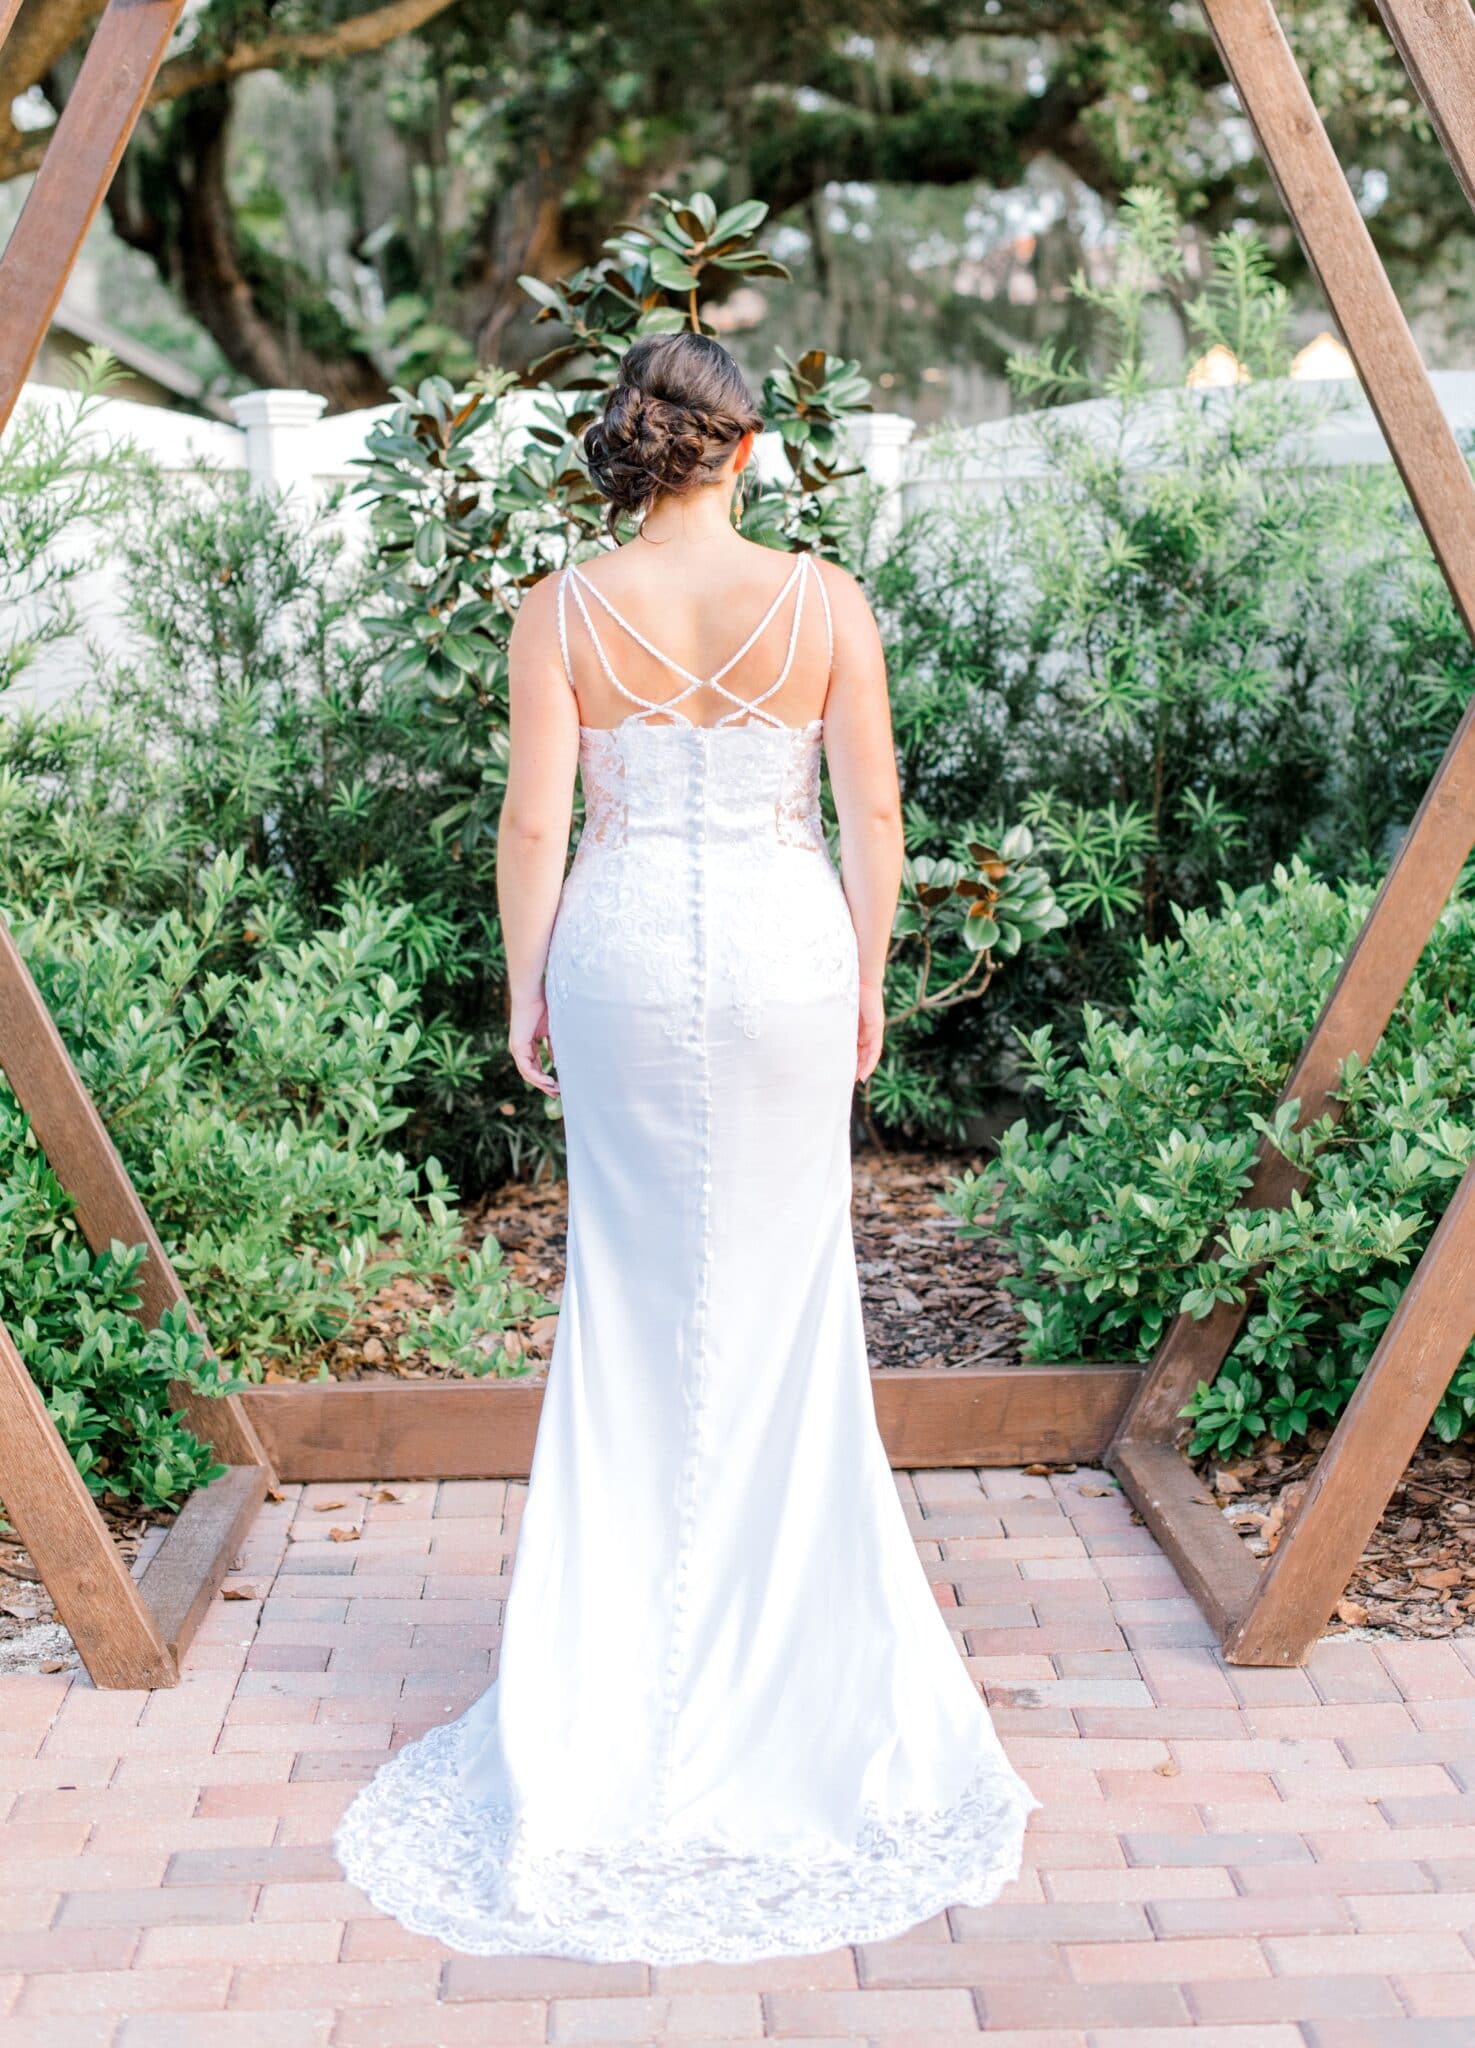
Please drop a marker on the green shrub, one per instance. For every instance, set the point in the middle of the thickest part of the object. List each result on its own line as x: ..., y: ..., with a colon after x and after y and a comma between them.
x: 255, y: 1039
x: 255, y: 1106
x: 70, y: 1311
x: 1175, y: 649
x: 1153, y: 1127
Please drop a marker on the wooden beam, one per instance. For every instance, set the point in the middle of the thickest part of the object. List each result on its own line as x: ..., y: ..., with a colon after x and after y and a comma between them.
x: 485, y: 1429
x: 1220, y: 1573
x: 9, y: 9
x: 431, y: 1429
x: 1436, y: 40
x: 1382, y: 958
x: 57, y: 1519
x: 1000, y: 1415
x: 112, y: 86
x: 85, y: 1160
x: 1370, y: 1448
x: 1340, y: 250
x: 185, y: 1572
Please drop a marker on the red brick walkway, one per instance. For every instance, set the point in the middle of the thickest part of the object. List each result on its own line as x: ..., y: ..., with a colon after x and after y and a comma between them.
x: 1228, y: 1859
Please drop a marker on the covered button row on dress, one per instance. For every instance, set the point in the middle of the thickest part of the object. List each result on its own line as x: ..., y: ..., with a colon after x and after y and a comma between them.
x: 696, y: 1386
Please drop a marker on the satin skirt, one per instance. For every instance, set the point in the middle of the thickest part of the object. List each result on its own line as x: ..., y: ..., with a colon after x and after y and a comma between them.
x: 729, y: 1720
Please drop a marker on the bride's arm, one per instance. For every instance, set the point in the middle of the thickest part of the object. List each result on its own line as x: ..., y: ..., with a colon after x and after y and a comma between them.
x: 862, y: 762
x: 533, y: 832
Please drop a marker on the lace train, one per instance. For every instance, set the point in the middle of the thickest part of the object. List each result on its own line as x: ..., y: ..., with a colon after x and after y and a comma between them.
x: 444, y: 1866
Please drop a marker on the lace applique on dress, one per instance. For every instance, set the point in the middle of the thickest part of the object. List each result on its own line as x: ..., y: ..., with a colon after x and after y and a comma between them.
x: 468, y: 1874
x: 797, y: 816
x: 602, y: 772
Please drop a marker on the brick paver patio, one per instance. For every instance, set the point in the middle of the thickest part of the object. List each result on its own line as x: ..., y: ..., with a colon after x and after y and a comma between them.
x: 1229, y: 1859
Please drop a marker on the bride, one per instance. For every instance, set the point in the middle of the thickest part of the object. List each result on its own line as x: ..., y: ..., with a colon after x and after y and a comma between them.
x: 729, y: 1720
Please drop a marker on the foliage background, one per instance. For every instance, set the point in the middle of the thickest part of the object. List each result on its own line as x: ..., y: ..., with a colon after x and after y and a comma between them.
x: 342, y: 194
x: 254, y: 868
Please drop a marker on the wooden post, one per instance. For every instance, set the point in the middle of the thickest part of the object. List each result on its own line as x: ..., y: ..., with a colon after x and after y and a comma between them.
x: 1377, y: 968
x: 112, y: 87
x: 1370, y: 1448
x: 9, y: 9
x: 85, y: 1160
x: 1436, y: 40
x: 57, y: 1519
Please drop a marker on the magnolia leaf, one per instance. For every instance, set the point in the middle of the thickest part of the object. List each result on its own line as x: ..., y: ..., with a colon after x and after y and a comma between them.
x: 668, y: 270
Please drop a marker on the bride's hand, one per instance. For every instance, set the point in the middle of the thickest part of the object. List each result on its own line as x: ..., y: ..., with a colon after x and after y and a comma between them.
x: 527, y: 1030
x: 870, y: 1030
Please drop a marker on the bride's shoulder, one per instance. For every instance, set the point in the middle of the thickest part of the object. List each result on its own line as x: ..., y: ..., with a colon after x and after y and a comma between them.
x: 844, y: 591
x: 535, y: 623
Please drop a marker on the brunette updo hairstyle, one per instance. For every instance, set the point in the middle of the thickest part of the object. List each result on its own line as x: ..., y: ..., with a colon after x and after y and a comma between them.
x: 679, y: 408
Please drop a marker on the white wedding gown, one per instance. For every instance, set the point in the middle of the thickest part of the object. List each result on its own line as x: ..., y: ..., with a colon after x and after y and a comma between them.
x: 729, y: 1720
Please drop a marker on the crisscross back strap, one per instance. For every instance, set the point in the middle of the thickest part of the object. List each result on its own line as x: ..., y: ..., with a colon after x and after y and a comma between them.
x: 743, y: 706
x: 573, y: 579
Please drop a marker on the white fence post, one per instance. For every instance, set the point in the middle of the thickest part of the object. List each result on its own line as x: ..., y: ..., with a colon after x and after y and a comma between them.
x: 880, y: 440
x: 280, y: 448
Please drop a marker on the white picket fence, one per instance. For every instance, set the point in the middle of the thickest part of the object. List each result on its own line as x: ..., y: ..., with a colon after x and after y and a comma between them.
x: 281, y: 440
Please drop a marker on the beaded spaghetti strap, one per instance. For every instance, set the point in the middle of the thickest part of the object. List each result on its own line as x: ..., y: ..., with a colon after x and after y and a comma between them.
x: 746, y: 706
x: 647, y: 706
x: 568, y: 667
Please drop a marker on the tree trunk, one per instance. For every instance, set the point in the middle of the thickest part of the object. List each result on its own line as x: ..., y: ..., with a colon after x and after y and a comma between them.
x: 189, y: 233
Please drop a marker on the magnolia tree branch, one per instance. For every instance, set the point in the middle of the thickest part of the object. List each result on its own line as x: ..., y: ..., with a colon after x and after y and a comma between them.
x: 356, y: 37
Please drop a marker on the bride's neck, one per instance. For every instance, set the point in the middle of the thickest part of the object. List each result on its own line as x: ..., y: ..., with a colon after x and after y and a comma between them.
x: 700, y: 519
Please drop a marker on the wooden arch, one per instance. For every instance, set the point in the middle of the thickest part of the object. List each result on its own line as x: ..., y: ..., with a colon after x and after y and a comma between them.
x: 128, y: 1632
x: 1273, y: 1616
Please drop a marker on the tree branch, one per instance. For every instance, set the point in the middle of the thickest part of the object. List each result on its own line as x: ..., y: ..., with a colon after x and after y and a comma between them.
x: 356, y: 37
x: 43, y: 32
x: 270, y: 323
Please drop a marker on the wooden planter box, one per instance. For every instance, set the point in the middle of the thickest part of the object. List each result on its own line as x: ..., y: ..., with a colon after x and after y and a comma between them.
x: 484, y: 1429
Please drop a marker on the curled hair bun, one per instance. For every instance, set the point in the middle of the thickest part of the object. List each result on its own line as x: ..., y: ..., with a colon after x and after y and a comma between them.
x: 677, y: 411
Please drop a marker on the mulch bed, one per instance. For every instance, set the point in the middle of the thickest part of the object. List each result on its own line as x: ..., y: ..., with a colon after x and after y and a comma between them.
x: 1417, y: 1575
x: 31, y: 1637
x: 929, y: 1299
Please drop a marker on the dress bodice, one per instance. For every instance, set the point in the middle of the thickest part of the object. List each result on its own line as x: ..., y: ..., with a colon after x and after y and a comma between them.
x: 702, y: 873
x: 695, y: 786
